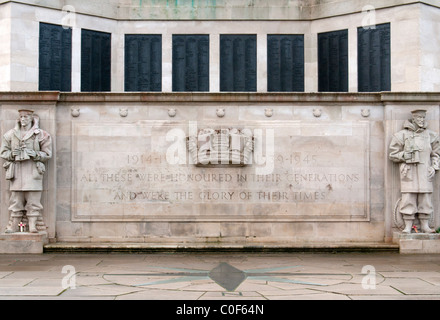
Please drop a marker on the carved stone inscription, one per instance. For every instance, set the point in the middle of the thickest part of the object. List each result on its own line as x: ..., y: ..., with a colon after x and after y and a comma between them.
x: 144, y: 172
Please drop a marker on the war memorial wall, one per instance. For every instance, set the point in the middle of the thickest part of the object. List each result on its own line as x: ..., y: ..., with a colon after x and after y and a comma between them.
x: 227, y: 134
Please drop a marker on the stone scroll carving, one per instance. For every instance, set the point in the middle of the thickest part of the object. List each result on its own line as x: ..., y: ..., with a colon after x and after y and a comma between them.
x: 221, y: 147
x: 25, y: 149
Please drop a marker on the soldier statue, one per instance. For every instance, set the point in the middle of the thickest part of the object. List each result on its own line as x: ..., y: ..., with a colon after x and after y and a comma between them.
x: 417, y: 149
x: 25, y: 148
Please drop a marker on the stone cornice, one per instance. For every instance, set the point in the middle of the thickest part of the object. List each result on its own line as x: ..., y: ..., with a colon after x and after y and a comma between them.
x: 222, y: 97
x: 220, y: 9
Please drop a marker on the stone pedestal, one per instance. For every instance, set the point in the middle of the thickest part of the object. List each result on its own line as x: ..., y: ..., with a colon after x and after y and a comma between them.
x: 418, y: 243
x: 22, y: 243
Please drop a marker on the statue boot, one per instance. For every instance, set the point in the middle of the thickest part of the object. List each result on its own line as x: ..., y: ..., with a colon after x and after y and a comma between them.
x: 424, y: 225
x: 33, y: 224
x: 408, y: 226
x: 13, y: 225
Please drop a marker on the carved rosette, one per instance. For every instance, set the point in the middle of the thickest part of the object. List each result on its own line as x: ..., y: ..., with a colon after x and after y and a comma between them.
x: 221, y: 147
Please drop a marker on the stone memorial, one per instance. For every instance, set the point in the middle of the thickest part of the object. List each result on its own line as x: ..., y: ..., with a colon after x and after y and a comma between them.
x: 132, y: 173
x: 220, y: 124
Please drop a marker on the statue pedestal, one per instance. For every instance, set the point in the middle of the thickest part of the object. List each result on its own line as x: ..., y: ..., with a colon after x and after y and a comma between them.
x: 22, y: 242
x: 418, y: 243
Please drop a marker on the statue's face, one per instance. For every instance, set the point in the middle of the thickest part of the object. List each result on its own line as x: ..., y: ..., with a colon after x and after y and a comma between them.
x: 419, y: 120
x: 25, y: 119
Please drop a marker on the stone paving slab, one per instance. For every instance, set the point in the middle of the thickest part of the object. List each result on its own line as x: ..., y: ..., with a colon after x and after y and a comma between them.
x: 220, y: 276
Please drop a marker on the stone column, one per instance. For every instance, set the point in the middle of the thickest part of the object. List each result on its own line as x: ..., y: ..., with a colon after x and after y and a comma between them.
x: 167, y: 62
x: 214, y: 63
x: 76, y: 59
x: 261, y: 63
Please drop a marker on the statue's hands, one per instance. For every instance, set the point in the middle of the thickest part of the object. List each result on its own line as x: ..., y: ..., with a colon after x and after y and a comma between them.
x: 16, y: 152
x: 407, y: 155
x: 31, y: 153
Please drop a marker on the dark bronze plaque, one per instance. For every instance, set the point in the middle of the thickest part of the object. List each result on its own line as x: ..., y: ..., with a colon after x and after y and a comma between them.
x: 333, y: 61
x: 143, y: 62
x: 95, y: 60
x: 285, y: 62
x: 190, y: 62
x: 374, y: 62
x: 238, y: 63
x: 55, y: 57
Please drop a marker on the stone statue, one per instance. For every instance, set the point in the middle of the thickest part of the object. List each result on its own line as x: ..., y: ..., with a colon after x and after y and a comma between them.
x: 417, y: 149
x: 25, y: 149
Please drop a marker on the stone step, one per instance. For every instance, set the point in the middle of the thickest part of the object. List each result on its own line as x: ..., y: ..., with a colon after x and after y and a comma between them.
x: 94, y: 247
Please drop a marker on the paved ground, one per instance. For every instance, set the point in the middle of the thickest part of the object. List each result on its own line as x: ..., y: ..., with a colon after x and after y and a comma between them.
x: 192, y: 276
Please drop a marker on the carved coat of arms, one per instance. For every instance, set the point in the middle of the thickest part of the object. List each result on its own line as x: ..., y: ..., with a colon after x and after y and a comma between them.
x: 221, y: 147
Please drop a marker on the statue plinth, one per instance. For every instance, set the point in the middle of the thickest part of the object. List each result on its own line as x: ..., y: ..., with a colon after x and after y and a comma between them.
x: 418, y: 243
x: 23, y: 242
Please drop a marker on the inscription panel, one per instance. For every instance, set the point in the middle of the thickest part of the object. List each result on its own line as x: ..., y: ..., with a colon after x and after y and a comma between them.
x: 142, y: 172
x: 143, y: 62
x: 95, y: 61
x: 285, y: 54
x: 333, y: 61
x: 374, y: 59
x: 55, y: 57
x: 190, y: 62
x: 238, y: 62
